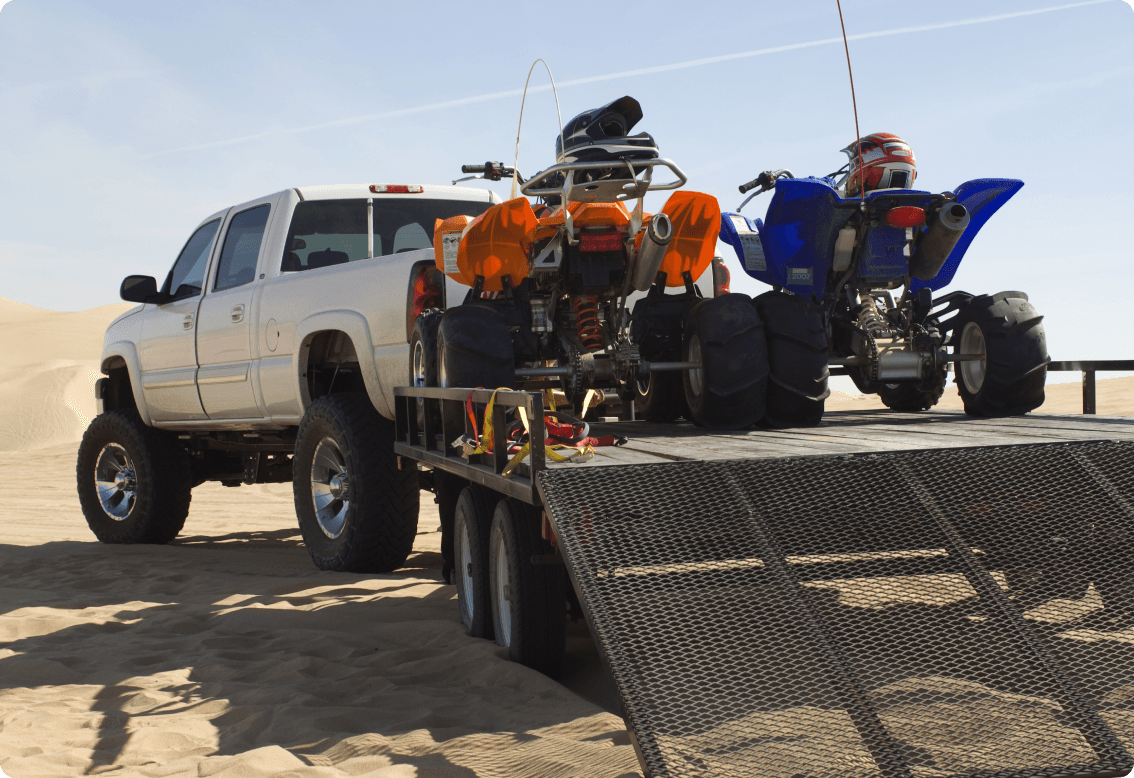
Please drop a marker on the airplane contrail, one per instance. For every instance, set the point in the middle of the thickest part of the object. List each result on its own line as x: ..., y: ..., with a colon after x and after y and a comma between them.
x: 622, y: 74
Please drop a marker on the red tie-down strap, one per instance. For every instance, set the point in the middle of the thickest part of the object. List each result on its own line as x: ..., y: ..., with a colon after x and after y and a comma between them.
x: 562, y: 432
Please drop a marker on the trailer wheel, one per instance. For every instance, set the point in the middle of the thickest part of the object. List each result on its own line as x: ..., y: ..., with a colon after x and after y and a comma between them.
x: 475, y: 349
x: 914, y: 397
x: 726, y: 336
x: 529, y: 605
x: 357, y: 510
x: 797, y: 356
x: 1009, y: 378
x: 471, y: 528
x: 134, y: 481
x: 423, y: 361
x: 659, y: 397
x: 446, y: 491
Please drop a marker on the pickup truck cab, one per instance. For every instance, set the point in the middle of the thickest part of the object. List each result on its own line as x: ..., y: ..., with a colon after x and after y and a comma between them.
x: 281, y: 329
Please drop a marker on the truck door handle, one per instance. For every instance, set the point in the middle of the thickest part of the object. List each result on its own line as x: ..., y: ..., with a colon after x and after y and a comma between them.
x: 187, y: 322
x: 238, y: 314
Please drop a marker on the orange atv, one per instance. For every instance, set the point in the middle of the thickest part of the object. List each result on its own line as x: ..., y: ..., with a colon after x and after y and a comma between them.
x: 550, y: 285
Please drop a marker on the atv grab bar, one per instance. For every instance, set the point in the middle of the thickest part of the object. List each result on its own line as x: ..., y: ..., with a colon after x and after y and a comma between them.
x: 607, y: 190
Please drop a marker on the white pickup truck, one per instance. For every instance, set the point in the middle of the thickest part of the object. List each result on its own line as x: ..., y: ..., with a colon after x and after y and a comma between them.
x: 273, y: 347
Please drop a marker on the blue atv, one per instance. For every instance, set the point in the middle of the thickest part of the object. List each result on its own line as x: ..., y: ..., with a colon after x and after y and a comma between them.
x: 834, y: 265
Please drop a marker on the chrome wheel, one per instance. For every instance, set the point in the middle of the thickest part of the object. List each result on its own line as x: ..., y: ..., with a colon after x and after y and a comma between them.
x: 464, y: 569
x: 972, y: 370
x: 694, y: 355
x: 330, y: 488
x: 115, y: 481
x: 503, y: 592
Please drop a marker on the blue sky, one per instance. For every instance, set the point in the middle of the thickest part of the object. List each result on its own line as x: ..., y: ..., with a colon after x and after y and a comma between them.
x: 123, y: 124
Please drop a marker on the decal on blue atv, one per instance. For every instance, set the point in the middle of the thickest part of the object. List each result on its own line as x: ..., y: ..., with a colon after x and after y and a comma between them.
x: 804, y: 219
x: 744, y: 237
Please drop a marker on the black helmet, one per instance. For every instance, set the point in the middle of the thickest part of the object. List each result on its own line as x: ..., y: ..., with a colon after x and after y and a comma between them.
x: 600, y: 135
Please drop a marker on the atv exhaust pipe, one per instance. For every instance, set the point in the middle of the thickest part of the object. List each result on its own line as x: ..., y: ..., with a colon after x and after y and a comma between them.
x: 655, y: 243
x: 939, y: 240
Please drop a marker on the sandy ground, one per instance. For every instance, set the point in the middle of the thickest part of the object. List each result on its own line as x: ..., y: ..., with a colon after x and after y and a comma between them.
x: 228, y: 654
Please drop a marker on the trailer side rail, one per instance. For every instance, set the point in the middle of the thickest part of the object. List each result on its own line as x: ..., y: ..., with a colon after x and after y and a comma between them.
x: 424, y: 443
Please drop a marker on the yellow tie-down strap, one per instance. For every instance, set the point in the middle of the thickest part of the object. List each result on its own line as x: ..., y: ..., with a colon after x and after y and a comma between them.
x: 471, y: 447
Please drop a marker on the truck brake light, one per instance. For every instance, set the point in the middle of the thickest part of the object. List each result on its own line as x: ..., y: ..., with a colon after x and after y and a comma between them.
x: 721, y: 277
x: 396, y: 189
x: 426, y: 290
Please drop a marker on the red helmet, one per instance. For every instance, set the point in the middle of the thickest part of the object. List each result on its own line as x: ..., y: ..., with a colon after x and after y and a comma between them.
x: 887, y: 162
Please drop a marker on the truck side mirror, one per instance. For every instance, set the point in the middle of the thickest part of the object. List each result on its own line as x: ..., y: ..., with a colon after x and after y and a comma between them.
x: 139, y: 289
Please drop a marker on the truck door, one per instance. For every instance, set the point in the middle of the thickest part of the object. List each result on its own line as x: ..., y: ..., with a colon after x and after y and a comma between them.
x: 167, y: 351
x: 224, y: 349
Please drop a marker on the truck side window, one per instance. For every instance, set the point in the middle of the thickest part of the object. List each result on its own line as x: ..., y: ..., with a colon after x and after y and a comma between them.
x: 241, y: 248
x: 406, y: 224
x: 187, y: 276
x: 325, y: 232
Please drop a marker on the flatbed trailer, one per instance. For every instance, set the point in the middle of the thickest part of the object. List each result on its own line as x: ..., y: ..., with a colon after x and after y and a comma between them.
x: 886, y: 594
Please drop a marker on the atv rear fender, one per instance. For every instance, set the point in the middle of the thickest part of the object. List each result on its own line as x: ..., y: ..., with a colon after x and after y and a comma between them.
x: 792, y: 248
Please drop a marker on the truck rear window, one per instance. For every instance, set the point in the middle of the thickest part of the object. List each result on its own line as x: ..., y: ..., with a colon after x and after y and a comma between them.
x: 333, y: 232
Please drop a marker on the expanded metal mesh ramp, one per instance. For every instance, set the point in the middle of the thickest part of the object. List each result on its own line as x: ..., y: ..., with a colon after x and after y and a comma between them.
x: 961, y: 612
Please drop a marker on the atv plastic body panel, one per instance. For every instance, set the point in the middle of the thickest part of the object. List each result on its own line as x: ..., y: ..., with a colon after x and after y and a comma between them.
x: 793, y: 246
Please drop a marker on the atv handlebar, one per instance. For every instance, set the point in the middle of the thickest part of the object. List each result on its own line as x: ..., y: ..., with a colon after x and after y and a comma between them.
x: 766, y: 180
x: 490, y: 171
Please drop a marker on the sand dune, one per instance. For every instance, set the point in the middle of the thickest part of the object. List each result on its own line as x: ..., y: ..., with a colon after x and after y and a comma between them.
x: 228, y: 654
x: 47, y: 373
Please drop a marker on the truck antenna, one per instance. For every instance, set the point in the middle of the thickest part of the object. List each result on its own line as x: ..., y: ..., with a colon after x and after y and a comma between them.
x: 516, y: 159
x: 854, y: 105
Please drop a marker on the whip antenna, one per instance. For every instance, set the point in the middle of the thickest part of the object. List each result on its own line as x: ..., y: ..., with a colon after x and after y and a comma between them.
x: 854, y: 105
x: 516, y: 159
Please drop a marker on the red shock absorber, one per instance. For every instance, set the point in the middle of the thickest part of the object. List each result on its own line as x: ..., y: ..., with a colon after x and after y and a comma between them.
x: 588, y: 323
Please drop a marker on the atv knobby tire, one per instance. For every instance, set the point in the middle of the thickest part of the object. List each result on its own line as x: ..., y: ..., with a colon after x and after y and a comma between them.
x: 659, y: 397
x: 368, y: 526
x: 471, y: 527
x: 475, y: 349
x: 134, y: 481
x: 914, y: 396
x: 797, y: 359
x: 529, y: 603
x: 1009, y: 381
x: 726, y: 336
x: 423, y: 362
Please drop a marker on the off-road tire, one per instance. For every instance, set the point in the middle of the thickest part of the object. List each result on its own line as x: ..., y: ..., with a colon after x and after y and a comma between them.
x: 1015, y: 369
x: 163, y: 473
x: 726, y: 336
x: 535, y: 631
x: 473, y: 514
x: 475, y: 349
x: 797, y: 359
x: 424, y: 338
x: 381, y: 519
x: 663, y: 399
x: 914, y: 397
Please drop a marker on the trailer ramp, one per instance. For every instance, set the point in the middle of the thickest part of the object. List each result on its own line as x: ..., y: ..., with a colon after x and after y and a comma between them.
x: 956, y: 612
